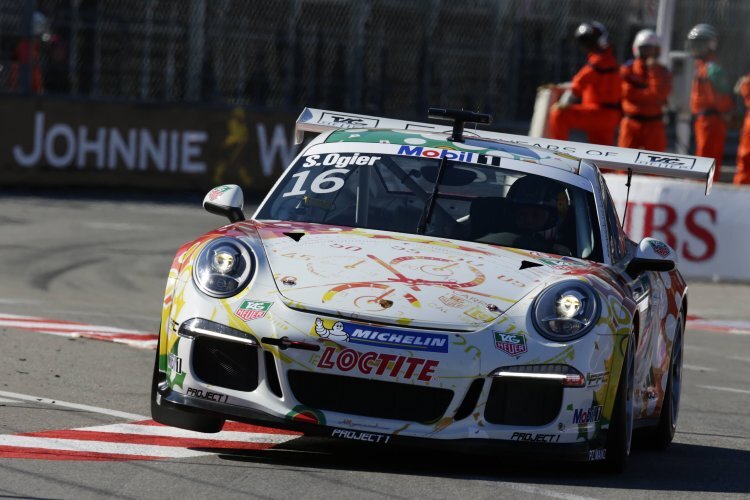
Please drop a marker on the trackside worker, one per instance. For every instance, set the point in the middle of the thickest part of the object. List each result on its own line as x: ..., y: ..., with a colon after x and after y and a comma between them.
x: 645, y: 87
x: 710, y: 96
x: 597, y: 86
x: 742, y: 175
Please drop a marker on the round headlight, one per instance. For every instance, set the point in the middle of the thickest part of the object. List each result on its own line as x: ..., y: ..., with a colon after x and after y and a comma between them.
x: 566, y: 311
x: 223, y: 267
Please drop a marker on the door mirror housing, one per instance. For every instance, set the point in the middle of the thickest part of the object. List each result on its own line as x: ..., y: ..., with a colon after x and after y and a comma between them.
x: 226, y: 200
x: 652, y: 255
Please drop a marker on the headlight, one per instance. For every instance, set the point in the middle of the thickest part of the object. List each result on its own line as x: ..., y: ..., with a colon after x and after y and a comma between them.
x: 566, y: 311
x: 223, y: 267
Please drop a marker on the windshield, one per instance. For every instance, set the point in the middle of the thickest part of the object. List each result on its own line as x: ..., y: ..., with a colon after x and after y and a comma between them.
x: 389, y: 188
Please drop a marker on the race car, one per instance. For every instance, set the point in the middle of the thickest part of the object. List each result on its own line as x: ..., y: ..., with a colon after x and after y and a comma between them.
x: 412, y: 283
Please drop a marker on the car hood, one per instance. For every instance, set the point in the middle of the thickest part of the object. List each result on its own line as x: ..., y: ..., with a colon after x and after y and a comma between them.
x: 400, y: 279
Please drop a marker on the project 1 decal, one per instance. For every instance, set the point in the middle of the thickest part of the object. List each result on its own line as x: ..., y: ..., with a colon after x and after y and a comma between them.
x: 252, y: 309
x: 381, y: 337
x: 513, y: 344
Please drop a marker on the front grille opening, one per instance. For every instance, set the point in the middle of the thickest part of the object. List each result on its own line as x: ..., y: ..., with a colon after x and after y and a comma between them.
x: 227, y: 364
x: 272, y: 376
x: 523, y: 402
x: 369, y: 398
x: 470, y: 401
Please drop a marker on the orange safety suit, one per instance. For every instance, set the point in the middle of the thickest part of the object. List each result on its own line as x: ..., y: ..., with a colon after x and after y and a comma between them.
x: 644, y: 94
x: 742, y: 175
x: 27, y: 52
x: 598, y: 85
x: 710, y: 98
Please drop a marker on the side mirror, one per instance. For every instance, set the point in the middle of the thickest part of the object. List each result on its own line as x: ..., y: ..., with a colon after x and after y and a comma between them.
x: 225, y: 200
x: 652, y: 255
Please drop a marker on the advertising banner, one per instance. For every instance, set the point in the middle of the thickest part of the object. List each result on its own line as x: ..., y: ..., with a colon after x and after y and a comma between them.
x: 711, y: 234
x: 48, y: 142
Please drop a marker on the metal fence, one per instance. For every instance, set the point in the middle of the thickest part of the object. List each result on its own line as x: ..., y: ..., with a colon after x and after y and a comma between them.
x: 394, y: 57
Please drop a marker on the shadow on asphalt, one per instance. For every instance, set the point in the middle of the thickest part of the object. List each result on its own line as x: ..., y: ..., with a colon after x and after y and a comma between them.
x: 684, y: 467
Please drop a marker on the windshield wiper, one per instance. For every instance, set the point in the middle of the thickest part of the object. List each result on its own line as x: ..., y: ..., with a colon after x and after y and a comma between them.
x: 430, y: 204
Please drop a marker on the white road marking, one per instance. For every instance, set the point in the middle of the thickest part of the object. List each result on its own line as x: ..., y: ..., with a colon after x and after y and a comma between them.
x: 4, y: 400
x: 100, y: 447
x: 739, y: 358
x: 535, y: 490
x: 727, y: 389
x: 75, y: 406
x: 698, y: 368
x: 174, y: 432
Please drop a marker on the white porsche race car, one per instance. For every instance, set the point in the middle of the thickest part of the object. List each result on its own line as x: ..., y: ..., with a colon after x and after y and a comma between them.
x: 418, y: 284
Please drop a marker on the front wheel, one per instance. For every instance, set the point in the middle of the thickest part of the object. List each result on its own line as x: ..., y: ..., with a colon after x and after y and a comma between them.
x: 620, y: 433
x: 173, y: 415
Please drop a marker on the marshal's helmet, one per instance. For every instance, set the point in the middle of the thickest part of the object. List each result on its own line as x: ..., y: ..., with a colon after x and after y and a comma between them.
x: 592, y: 36
x: 646, y: 44
x: 702, y: 40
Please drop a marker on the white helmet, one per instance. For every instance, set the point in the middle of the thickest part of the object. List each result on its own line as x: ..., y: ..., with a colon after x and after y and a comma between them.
x: 645, y: 38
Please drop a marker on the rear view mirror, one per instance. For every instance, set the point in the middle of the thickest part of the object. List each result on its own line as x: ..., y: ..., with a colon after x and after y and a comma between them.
x: 225, y: 200
x: 652, y: 255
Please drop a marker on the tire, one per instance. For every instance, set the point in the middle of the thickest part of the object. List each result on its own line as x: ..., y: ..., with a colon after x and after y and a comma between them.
x: 620, y: 433
x: 661, y: 437
x: 174, y: 415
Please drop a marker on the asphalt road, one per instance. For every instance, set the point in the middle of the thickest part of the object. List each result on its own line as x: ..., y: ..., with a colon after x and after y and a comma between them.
x: 104, y: 262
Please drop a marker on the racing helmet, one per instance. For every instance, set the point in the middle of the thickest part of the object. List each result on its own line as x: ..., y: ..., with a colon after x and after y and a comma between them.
x: 646, y: 39
x: 702, y: 40
x: 539, y: 204
x: 592, y: 36
x: 39, y: 26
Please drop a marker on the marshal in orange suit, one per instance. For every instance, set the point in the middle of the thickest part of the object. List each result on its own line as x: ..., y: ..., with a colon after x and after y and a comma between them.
x: 593, y: 102
x: 646, y: 84
x: 742, y: 175
x: 710, y: 95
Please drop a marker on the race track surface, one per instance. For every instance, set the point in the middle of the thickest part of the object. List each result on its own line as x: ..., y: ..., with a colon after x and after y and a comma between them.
x: 80, y: 299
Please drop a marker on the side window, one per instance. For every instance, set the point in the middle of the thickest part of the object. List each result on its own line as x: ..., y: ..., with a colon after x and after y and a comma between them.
x: 615, y: 234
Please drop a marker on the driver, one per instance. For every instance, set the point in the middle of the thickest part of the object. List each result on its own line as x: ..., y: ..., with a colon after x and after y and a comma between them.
x: 538, y: 209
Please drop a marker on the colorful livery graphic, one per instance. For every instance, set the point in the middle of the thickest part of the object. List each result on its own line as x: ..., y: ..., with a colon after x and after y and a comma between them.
x: 415, y: 284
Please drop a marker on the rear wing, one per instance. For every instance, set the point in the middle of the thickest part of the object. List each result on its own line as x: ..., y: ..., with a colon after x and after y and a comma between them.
x: 609, y: 157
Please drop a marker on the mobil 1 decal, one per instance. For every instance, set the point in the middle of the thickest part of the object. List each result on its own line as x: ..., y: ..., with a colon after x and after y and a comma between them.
x: 513, y: 344
x: 331, y: 179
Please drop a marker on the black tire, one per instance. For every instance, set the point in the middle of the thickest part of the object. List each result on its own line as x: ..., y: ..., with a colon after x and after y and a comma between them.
x: 661, y: 437
x: 620, y: 433
x: 173, y: 415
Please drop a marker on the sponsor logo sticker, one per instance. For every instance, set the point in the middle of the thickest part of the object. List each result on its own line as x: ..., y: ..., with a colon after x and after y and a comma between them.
x: 370, y: 437
x: 253, y: 309
x: 535, y: 438
x: 587, y: 415
x: 348, y: 121
x: 599, y: 454
x: 596, y: 379
x: 211, y: 396
x: 373, y: 363
x: 174, y: 363
x: 216, y: 192
x: 659, y: 247
x: 381, y: 337
x: 513, y: 344
x: 665, y: 160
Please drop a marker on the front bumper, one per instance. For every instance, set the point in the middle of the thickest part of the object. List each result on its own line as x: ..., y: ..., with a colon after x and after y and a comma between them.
x: 582, y: 451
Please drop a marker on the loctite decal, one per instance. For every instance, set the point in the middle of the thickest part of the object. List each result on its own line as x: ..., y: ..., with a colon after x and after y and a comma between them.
x: 373, y: 363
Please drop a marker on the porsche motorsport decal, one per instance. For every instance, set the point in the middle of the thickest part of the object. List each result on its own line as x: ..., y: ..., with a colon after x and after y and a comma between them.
x: 660, y: 248
x: 381, y: 337
x: 252, y: 309
x: 513, y: 344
